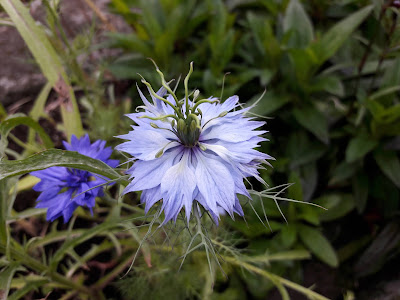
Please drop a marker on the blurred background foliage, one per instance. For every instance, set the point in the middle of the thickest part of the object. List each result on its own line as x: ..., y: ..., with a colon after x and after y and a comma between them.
x: 330, y: 71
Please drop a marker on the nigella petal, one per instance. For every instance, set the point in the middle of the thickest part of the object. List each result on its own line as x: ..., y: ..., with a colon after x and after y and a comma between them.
x: 177, y: 186
x: 232, y: 131
x: 238, y: 208
x: 212, y: 111
x: 148, y: 174
x: 215, y: 182
x: 145, y: 144
x: 150, y: 197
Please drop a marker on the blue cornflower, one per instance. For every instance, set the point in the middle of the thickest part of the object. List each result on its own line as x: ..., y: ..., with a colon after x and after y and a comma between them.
x: 187, y: 150
x: 60, y: 186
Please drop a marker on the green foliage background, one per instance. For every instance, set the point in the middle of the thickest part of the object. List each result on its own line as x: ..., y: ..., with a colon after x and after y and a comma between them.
x: 331, y: 75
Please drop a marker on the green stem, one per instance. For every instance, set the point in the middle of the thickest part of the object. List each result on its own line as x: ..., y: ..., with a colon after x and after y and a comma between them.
x: 33, y: 264
x: 275, y: 278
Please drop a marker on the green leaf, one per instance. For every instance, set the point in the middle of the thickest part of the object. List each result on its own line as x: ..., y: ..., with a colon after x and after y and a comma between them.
x: 3, y: 211
x: 269, y: 103
x: 295, y: 191
x: 6, y: 275
x: 338, y: 205
x: 331, y: 84
x: 60, y: 158
x: 391, y: 77
x: 342, y: 172
x: 389, y: 164
x: 37, y: 110
x: 70, y: 244
x: 309, y: 180
x: 332, y: 40
x: 29, y: 284
x: 358, y: 147
x: 298, y: 25
x: 318, y: 245
x: 7, y: 125
x: 385, y: 91
x: 288, y: 235
x: 313, y: 120
x: 302, y: 151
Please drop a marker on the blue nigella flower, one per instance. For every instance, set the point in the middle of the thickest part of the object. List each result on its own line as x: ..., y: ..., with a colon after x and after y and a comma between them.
x: 192, y: 150
x: 60, y: 185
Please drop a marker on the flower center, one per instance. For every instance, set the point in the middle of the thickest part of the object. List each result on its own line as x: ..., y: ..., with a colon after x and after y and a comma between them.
x: 188, y: 130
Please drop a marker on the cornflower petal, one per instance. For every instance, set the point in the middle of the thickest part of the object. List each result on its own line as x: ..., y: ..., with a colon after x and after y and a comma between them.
x: 64, y: 189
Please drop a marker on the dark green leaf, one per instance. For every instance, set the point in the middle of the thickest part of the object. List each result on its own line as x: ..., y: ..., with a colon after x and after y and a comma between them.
x: 7, y: 125
x: 295, y: 191
x: 358, y: 147
x: 298, y: 25
x: 269, y: 103
x: 379, y: 251
x: 330, y: 84
x: 332, y: 40
x: 302, y: 151
x: 338, y: 205
x: 342, y: 172
x: 391, y: 77
x: 3, y: 210
x: 318, y: 245
x: 6, y: 275
x: 288, y: 235
x: 30, y: 284
x: 309, y: 178
x: 389, y: 163
x: 313, y: 120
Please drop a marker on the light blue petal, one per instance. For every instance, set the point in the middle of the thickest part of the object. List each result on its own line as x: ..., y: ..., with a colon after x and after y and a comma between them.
x: 148, y: 174
x: 215, y: 182
x: 177, y: 187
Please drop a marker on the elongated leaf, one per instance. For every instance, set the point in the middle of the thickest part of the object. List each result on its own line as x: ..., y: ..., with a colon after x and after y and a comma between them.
x: 318, y: 245
x: 5, y: 279
x: 3, y: 211
x: 385, y: 91
x: 288, y: 235
x: 70, y: 244
x: 7, y: 125
x: 298, y: 25
x: 358, y: 147
x: 27, y: 286
x: 269, y: 103
x: 332, y: 40
x: 313, y: 120
x: 389, y: 163
x: 60, y: 158
x: 338, y: 205
x: 38, y: 108
x: 295, y: 191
